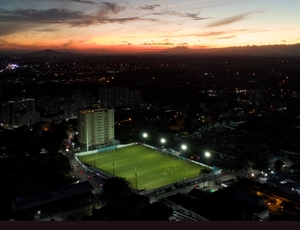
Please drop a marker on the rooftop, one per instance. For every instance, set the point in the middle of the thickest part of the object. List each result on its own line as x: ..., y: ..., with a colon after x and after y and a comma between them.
x: 24, y: 202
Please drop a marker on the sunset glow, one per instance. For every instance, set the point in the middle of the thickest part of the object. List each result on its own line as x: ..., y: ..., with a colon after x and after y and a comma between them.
x: 139, y: 25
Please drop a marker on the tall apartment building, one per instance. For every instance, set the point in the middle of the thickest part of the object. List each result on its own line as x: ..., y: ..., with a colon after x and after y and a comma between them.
x: 95, y: 126
x: 119, y: 96
x: 69, y: 108
x: 27, y: 118
x: 49, y: 104
x: 21, y: 111
x: 82, y: 99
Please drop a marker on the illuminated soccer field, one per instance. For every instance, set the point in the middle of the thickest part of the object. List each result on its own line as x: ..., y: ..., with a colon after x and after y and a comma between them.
x: 143, y: 167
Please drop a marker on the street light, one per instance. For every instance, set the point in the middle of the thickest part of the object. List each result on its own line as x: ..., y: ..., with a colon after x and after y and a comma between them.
x: 136, y: 181
x: 183, y: 147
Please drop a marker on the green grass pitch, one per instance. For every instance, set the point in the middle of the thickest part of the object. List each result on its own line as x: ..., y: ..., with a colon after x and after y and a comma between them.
x: 153, y: 169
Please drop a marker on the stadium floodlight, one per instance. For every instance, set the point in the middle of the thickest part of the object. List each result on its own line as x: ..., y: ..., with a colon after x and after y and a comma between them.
x: 145, y: 135
x: 162, y: 140
x: 183, y: 147
x: 207, y: 154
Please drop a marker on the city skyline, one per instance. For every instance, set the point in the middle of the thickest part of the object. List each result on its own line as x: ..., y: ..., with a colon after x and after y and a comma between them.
x: 145, y: 26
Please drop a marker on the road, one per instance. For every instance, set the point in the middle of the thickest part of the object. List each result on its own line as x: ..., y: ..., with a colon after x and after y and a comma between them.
x: 83, y: 175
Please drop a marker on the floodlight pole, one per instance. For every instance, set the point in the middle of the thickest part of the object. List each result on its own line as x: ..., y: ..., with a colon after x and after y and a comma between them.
x: 183, y: 148
x: 162, y: 140
x: 94, y: 159
x: 136, y: 181
x: 207, y: 154
x: 145, y: 135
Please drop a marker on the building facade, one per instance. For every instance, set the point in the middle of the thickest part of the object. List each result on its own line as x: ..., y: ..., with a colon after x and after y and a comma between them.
x: 95, y: 126
x: 21, y: 111
x: 120, y: 96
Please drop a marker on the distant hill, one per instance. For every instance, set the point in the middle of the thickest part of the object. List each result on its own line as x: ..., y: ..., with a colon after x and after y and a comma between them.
x: 180, y: 49
x: 270, y: 50
x: 49, y: 52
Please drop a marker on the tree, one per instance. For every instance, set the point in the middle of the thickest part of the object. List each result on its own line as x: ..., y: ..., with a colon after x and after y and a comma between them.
x: 278, y: 165
x: 157, y: 211
x: 293, y: 158
x: 239, y: 162
x: 297, y: 174
x: 70, y: 218
x: 260, y: 163
x: 205, y: 171
x: 116, y: 188
x: 63, y: 163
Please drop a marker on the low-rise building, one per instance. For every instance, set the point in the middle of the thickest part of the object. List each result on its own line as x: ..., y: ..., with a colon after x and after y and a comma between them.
x: 75, y: 200
x: 286, y: 183
x: 129, y: 208
x: 230, y: 204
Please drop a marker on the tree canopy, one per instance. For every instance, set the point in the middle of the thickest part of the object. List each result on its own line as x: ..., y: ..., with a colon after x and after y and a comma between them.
x: 116, y: 188
x: 205, y: 171
x: 260, y: 163
x: 157, y: 211
x: 278, y: 165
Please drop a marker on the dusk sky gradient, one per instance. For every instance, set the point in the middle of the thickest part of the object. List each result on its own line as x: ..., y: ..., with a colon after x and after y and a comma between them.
x: 145, y: 25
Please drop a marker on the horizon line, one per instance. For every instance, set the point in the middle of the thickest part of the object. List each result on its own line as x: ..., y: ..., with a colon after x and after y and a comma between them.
x: 135, y: 50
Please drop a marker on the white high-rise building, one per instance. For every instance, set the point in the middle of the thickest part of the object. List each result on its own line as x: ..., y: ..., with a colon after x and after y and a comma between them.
x: 95, y: 126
